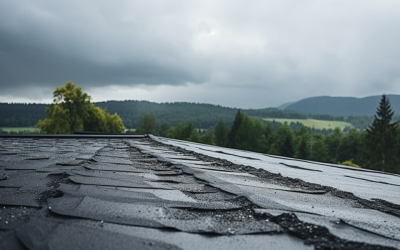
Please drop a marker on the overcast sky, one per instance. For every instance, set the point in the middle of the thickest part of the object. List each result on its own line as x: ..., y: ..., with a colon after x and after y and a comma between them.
x: 247, y: 54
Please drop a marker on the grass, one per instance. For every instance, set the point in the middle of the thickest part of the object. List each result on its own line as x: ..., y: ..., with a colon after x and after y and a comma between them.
x: 318, y: 124
x: 18, y: 129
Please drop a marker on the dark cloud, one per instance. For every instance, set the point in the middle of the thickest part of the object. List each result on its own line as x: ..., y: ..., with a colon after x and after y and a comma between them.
x: 90, y: 51
x: 285, y: 50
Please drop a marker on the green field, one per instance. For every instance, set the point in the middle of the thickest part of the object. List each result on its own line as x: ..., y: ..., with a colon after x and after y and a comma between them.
x: 318, y: 124
x: 18, y: 129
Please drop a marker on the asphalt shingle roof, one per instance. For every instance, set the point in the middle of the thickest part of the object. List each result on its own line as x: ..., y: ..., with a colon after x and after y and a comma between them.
x: 105, y: 192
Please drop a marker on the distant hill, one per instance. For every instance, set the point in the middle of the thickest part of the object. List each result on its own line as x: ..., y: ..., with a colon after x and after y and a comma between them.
x: 342, y: 106
x: 283, y: 106
x: 207, y: 115
x: 202, y: 115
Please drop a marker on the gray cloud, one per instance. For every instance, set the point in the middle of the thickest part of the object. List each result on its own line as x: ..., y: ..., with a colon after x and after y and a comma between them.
x: 284, y: 50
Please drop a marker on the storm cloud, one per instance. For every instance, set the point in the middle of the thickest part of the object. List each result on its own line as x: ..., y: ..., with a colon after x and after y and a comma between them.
x: 234, y: 53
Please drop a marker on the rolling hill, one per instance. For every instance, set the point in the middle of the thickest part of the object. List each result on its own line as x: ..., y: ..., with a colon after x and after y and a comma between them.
x: 342, y: 106
x: 202, y: 115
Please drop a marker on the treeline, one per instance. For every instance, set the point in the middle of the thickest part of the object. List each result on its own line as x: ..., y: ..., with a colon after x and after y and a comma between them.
x: 202, y: 115
x: 251, y: 134
x: 294, y: 126
x: 21, y: 114
x: 19, y: 132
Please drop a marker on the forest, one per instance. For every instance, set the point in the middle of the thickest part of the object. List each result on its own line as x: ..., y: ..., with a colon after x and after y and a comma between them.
x: 377, y: 147
x: 202, y: 115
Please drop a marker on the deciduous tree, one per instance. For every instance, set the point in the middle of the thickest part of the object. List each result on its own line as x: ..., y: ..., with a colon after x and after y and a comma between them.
x: 72, y: 111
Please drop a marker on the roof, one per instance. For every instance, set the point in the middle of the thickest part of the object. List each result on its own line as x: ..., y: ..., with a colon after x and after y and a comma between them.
x: 146, y: 192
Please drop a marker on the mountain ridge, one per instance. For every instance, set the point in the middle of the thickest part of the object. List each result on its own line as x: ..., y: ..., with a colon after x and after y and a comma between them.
x: 342, y: 106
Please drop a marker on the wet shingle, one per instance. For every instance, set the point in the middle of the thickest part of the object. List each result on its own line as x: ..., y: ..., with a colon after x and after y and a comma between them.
x: 100, y: 192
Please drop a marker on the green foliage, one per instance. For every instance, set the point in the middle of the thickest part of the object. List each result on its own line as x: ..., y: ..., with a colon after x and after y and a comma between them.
x: 318, y: 149
x: 252, y: 134
x: 21, y: 130
x: 284, y: 143
x: 202, y: 115
x: 72, y: 111
x: 184, y: 131
x: 350, y: 147
x: 248, y: 134
x: 115, y: 124
x: 148, y: 124
x: 21, y: 114
x: 208, y: 137
x: 234, y: 129
x: 350, y: 163
x: 381, y: 144
x: 163, y: 129
x: 221, y: 134
x: 302, y: 143
x: 332, y: 142
x: 272, y: 150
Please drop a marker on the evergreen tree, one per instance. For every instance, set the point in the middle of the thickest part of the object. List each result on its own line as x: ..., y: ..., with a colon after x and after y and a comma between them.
x: 285, y: 145
x: 184, y: 131
x: 302, y: 143
x: 381, y: 145
x: 208, y: 137
x: 350, y: 147
x: 318, y: 149
x: 272, y: 150
x: 221, y: 133
x: 148, y: 124
x: 234, y: 129
x: 163, y: 129
x: 332, y: 142
x: 269, y: 136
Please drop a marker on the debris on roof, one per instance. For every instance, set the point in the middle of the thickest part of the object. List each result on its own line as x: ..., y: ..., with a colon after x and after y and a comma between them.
x: 146, y: 192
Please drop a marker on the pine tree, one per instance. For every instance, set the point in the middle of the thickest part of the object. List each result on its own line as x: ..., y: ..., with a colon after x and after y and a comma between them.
x: 381, y: 146
x: 302, y: 143
x: 221, y: 133
x: 234, y: 129
x: 285, y: 144
x: 148, y: 124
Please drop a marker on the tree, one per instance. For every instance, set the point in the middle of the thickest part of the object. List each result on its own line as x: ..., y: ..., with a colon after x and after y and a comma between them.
x: 284, y: 144
x: 184, y: 131
x: 272, y: 150
x: 332, y: 142
x: 148, y: 124
x: 381, y: 145
x: 318, y: 150
x: 208, y: 137
x: 235, y: 127
x: 72, y: 111
x: 163, y: 129
x: 302, y: 143
x: 248, y: 134
x: 350, y: 147
x: 221, y: 133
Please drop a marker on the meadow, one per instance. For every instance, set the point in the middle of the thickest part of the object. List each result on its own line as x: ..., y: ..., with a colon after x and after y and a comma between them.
x: 312, y: 123
x: 21, y: 129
